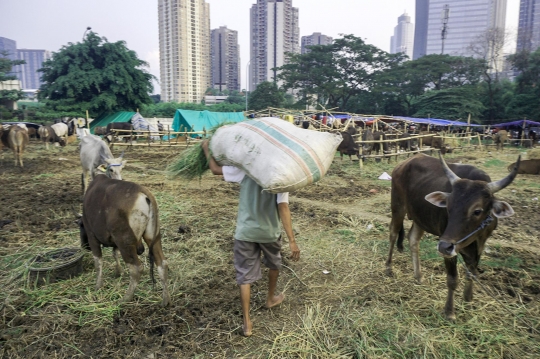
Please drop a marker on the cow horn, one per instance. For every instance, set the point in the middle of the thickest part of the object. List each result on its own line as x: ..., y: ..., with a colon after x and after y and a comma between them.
x: 451, y: 175
x: 500, y: 184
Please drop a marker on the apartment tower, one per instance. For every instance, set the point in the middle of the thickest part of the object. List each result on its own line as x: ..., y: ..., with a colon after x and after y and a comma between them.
x: 225, y: 55
x: 467, y: 20
x: 274, y: 32
x: 28, y: 73
x: 315, y: 39
x: 529, y: 25
x: 184, y: 49
x: 403, y: 38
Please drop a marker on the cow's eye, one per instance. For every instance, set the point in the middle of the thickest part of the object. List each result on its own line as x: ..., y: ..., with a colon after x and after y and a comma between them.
x: 477, y: 212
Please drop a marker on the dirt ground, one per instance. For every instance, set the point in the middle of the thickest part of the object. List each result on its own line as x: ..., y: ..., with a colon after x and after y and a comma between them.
x: 339, y: 303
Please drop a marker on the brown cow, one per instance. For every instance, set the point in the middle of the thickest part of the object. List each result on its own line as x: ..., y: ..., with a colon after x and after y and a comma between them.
x: 16, y: 138
x: 348, y: 146
x: 47, y: 134
x: 436, y: 142
x: 500, y: 138
x: 463, y: 213
x: 120, y: 214
x: 529, y: 167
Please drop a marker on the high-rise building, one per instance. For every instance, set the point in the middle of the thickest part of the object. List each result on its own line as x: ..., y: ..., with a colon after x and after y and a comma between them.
x: 420, y: 30
x: 403, y: 38
x: 184, y: 49
x: 467, y: 20
x: 529, y: 25
x: 274, y: 32
x: 315, y: 39
x: 225, y: 54
x: 8, y: 47
x: 27, y: 73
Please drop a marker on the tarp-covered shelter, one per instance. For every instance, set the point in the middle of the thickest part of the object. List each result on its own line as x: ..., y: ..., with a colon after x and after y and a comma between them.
x: 517, y: 123
x: 105, y: 119
x: 437, y: 121
x: 197, y: 121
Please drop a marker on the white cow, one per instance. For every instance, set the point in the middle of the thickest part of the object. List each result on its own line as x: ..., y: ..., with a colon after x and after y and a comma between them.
x: 96, y: 155
x: 61, y: 130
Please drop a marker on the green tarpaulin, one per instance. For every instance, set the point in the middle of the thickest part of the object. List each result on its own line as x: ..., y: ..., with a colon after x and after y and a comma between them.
x: 187, y: 120
x: 104, y: 120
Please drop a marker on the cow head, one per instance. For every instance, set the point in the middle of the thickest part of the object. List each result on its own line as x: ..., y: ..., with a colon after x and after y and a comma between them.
x: 468, y: 206
x: 114, y: 167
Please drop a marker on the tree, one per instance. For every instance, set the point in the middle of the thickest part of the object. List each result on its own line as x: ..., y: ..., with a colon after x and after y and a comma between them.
x: 6, y: 67
x: 333, y: 74
x: 453, y: 104
x: 525, y: 102
x: 97, y: 76
x: 267, y: 94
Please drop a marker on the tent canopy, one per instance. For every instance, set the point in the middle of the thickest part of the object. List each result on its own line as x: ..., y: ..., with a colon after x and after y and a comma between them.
x: 437, y: 122
x: 517, y: 123
x: 187, y: 120
x: 105, y: 119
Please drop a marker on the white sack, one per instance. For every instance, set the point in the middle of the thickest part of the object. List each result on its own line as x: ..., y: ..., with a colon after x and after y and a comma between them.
x: 279, y: 156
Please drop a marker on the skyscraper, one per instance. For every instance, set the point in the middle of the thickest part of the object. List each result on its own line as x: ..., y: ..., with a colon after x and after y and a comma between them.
x: 274, y: 32
x: 9, y: 47
x: 468, y: 19
x: 225, y: 54
x: 27, y: 73
x: 403, y: 38
x: 315, y: 39
x: 184, y: 49
x: 529, y: 25
x: 420, y: 30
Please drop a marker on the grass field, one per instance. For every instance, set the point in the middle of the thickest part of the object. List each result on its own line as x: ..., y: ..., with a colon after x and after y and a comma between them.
x: 354, y: 311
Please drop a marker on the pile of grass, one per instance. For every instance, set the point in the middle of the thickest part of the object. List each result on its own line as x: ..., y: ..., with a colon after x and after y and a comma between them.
x: 192, y: 163
x: 534, y: 154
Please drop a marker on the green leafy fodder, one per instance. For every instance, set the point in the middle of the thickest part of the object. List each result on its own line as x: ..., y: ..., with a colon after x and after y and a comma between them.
x: 192, y: 163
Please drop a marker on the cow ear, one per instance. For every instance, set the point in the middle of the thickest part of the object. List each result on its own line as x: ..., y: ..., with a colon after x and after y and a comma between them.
x: 124, y: 163
x: 502, y: 209
x: 437, y: 198
x: 101, y: 168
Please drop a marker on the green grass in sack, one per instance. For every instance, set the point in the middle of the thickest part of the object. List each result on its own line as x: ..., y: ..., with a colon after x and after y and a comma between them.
x: 192, y: 163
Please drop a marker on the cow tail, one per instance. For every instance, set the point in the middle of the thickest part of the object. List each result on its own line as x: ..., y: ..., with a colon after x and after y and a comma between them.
x: 151, y: 259
x: 400, y: 239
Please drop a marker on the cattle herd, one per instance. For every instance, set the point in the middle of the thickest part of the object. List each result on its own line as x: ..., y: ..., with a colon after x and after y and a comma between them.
x: 455, y: 202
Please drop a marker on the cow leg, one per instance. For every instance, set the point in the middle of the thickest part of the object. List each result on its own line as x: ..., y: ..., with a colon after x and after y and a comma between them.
x: 129, y: 254
x: 451, y: 282
x: 415, y: 234
x: 95, y: 247
x: 154, y: 247
x: 396, y: 229
x: 118, y: 267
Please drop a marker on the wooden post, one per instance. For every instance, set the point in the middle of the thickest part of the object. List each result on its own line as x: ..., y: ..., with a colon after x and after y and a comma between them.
x: 479, y: 142
x: 87, y: 120
x: 522, y: 132
x: 169, y: 134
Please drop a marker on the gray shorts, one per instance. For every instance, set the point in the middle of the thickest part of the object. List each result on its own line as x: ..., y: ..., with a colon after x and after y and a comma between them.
x: 247, y: 259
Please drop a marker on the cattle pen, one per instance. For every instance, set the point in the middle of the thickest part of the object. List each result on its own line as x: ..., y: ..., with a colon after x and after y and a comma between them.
x: 340, y: 303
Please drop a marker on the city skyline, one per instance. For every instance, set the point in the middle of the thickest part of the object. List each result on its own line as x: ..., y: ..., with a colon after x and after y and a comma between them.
x: 47, y: 28
x: 225, y: 57
x: 403, y: 38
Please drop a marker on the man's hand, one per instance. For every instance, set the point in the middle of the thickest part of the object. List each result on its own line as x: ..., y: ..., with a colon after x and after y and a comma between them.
x: 295, y: 251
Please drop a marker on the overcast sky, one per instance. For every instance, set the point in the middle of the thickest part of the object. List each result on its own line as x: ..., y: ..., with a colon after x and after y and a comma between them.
x: 50, y: 24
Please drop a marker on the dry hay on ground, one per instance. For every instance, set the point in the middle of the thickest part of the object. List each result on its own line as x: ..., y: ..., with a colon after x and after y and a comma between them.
x: 352, y: 311
x: 533, y: 154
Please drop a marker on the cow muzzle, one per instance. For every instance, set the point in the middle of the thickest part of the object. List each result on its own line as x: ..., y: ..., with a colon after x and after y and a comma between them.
x: 446, y: 249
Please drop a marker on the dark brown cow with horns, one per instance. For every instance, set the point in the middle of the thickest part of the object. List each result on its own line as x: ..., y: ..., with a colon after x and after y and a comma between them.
x: 462, y: 211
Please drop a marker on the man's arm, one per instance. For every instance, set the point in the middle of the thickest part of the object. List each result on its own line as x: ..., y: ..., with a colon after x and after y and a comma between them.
x: 214, y: 167
x: 285, y: 216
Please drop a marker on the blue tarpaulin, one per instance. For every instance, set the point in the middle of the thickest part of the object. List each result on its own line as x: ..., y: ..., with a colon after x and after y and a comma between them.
x: 436, y: 121
x: 517, y: 123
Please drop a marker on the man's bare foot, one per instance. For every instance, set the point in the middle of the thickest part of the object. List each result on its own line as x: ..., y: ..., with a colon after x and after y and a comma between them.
x: 275, y: 301
x: 247, y: 328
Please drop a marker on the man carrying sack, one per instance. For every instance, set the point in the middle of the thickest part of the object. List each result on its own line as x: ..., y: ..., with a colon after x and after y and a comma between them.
x: 257, y: 230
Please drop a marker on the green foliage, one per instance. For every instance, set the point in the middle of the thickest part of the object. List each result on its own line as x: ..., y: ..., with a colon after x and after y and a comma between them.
x: 6, y: 67
x: 335, y: 73
x: 453, y: 104
x: 525, y: 103
x: 266, y: 95
x: 97, y: 76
